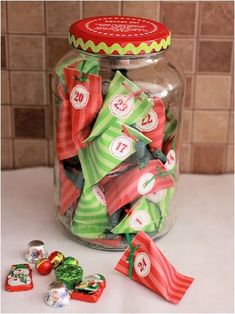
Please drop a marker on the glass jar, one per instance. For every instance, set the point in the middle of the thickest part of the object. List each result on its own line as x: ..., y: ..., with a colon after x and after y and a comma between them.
x: 117, y: 116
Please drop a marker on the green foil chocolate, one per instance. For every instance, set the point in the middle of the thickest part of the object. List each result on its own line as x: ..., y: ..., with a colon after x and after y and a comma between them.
x: 70, y: 275
x: 70, y: 261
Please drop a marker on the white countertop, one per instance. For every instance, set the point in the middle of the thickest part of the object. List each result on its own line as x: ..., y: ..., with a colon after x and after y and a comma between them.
x: 199, y: 245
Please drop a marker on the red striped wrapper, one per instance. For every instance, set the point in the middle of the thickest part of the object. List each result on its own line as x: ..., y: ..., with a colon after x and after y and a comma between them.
x: 64, y: 143
x: 129, y: 186
x: 69, y: 193
x: 86, y: 101
x: 153, y: 124
x: 153, y: 270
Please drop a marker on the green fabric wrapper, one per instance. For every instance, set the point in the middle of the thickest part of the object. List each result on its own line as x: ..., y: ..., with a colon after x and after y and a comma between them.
x: 145, y: 216
x: 91, y: 218
x: 98, y: 158
x: 138, y: 106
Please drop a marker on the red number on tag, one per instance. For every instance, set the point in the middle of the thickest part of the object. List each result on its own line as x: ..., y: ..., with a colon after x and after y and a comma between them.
x: 142, y: 265
x: 121, y: 147
x: 147, y: 120
x: 137, y: 220
x: 120, y: 105
x: 78, y: 97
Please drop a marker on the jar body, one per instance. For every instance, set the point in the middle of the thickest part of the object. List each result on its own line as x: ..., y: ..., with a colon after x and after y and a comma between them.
x: 116, y: 183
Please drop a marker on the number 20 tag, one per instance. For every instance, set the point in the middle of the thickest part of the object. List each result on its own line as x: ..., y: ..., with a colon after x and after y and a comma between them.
x: 79, y: 97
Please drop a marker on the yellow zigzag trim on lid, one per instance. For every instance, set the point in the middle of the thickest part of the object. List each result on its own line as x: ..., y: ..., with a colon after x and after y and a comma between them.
x: 164, y: 43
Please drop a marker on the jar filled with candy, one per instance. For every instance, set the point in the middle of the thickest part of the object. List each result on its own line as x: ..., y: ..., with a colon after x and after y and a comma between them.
x: 117, y: 114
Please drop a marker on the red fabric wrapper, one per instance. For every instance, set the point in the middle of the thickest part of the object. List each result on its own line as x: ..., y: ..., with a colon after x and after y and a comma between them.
x: 127, y: 187
x: 86, y: 101
x: 69, y: 193
x: 64, y: 143
x: 153, y: 270
x: 155, y: 122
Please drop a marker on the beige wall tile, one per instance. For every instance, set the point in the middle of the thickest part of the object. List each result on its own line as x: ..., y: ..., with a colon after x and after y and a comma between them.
x: 30, y: 153
x: 208, y: 159
x: 179, y: 17
x: 26, y: 52
x: 97, y: 8
x: 28, y: 88
x: 188, y: 92
x: 210, y: 126
x: 187, y: 126
x: 5, y: 121
x: 147, y: 9
x: 222, y: 13
x: 3, y: 17
x: 215, y: 56
x: 184, y: 156
x: 212, y: 92
x: 6, y: 154
x: 61, y: 14
x: 26, y: 16
x: 182, y: 53
x: 5, y: 94
x: 230, y: 159
x: 231, y: 128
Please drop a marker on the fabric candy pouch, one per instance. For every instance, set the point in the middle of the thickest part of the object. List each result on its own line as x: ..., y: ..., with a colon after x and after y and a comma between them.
x: 152, y: 125
x: 108, y: 150
x: 91, y: 216
x: 76, y: 62
x: 143, y: 215
x: 69, y: 191
x: 135, y: 183
x: 144, y: 262
x: 86, y: 99
x: 125, y: 101
x: 65, y: 146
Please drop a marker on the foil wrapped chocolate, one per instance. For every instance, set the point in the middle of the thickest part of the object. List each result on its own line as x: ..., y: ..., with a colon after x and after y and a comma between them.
x: 57, y: 295
x: 36, y: 250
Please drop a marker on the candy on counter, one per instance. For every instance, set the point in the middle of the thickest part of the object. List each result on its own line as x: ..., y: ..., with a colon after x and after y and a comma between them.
x: 125, y: 101
x: 57, y: 295
x: 43, y: 266
x: 70, y: 275
x: 56, y: 258
x: 19, y: 278
x: 90, y: 289
x: 36, y: 249
x: 144, y: 262
x: 69, y: 260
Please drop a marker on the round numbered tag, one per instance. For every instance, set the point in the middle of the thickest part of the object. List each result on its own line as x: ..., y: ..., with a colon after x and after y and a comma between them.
x: 139, y: 219
x: 121, y: 106
x: 79, y: 97
x: 142, y: 264
x: 148, y: 123
x: 99, y: 194
x: 158, y: 196
x: 170, y: 160
x: 146, y: 183
x: 121, y: 147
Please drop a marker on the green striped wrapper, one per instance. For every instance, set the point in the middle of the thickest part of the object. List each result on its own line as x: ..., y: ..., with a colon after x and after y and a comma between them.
x: 164, y: 202
x: 145, y: 216
x: 96, y: 158
x: 90, y: 66
x: 105, y: 118
x: 90, y: 220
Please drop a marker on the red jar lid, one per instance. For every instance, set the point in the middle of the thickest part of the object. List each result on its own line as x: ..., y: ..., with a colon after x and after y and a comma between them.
x: 119, y: 35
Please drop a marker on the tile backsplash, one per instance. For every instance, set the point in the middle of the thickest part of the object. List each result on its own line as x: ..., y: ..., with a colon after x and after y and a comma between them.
x: 33, y: 39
